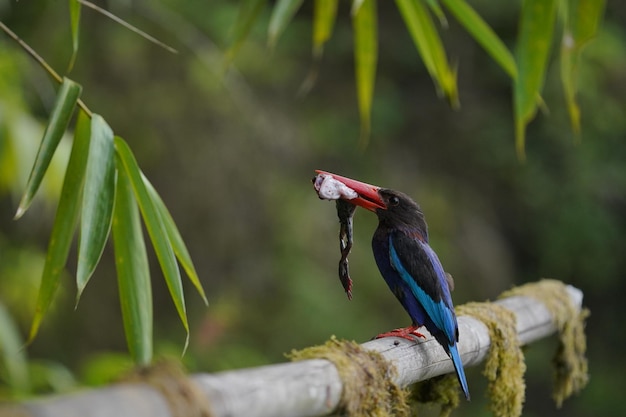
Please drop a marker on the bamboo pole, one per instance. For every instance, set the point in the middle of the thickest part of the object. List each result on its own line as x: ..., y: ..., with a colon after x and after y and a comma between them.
x: 305, y: 388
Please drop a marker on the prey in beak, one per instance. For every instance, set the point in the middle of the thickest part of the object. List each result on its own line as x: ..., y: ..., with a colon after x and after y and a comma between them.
x: 333, y: 187
x: 348, y: 194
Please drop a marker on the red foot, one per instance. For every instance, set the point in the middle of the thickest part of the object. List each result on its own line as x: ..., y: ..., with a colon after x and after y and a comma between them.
x: 404, y: 332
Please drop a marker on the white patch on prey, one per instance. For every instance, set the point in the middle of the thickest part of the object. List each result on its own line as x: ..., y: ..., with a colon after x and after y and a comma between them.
x: 329, y: 188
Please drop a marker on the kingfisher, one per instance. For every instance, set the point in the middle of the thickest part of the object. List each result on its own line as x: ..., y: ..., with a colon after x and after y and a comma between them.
x: 410, y: 266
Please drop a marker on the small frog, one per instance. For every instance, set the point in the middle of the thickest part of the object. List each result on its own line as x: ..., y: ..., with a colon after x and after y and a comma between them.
x: 345, y: 212
x: 328, y: 188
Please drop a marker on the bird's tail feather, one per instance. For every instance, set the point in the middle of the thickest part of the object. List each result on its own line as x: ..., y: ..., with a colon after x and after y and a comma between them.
x: 458, y: 366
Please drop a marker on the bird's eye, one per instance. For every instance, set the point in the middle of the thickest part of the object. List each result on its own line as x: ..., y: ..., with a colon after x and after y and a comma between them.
x: 394, y: 201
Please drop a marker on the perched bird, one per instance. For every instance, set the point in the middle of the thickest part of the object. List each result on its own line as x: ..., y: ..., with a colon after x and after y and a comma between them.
x: 410, y: 267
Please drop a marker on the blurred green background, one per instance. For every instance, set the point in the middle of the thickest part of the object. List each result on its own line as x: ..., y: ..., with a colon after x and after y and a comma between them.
x: 233, y: 156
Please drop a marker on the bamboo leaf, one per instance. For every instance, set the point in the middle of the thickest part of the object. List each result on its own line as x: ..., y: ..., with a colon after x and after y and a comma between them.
x: 59, y: 119
x: 537, y: 22
x: 13, y: 356
x: 283, y: 12
x: 483, y: 34
x: 366, y: 58
x: 156, y: 230
x: 75, y: 27
x: 98, y: 200
x: 435, y: 7
x: 65, y: 221
x: 581, y: 23
x: 324, y: 16
x: 422, y: 29
x: 249, y: 11
x: 133, y: 272
x: 356, y: 5
x: 176, y: 240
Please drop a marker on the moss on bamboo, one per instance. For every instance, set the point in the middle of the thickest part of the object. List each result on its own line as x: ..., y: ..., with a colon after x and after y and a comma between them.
x: 504, y: 366
x: 570, y: 361
x: 368, y: 379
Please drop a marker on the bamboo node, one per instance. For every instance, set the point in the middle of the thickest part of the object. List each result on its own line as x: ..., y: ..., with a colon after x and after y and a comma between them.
x: 184, y: 397
x: 504, y: 366
x: 368, y: 379
x: 569, y: 361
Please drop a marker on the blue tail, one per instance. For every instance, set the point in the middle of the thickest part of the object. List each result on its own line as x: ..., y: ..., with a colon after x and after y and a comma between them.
x: 458, y: 366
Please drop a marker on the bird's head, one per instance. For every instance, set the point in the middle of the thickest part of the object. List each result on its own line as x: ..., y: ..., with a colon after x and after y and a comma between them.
x: 393, y: 208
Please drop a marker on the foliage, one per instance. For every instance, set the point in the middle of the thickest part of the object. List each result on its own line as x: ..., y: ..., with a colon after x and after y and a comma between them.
x: 232, y: 159
x: 13, y: 367
x: 527, y: 70
x: 88, y: 192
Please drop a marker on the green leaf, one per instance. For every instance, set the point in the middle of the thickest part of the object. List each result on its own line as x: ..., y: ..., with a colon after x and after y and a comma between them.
x: 176, y: 240
x: 156, y: 230
x: 324, y: 16
x: 53, y: 376
x: 483, y: 34
x: 75, y: 27
x: 133, y: 272
x: 581, y: 23
x: 59, y: 119
x: 365, y: 59
x: 98, y: 200
x: 13, y: 356
x: 438, y: 12
x: 356, y: 5
x: 283, y: 12
x: 64, y: 222
x: 249, y: 11
x: 422, y: 29
x: 537, y: 23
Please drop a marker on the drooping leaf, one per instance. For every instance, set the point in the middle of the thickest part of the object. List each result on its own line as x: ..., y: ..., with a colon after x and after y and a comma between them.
x: 64, y: 222
x: 176, y: 240
x: 435, y: 7
x: 97, y: 203
x: 13, y: 357
x: 365, y: 60
x: 59, y: 119
x: 536, y: 29
x: 133, y: 272
x: 581, y: 22
x: 483, y: 34
x: 356, y: 5
x: 249, y: 11
x: 324, y: 16
x: 75, y: 27
x: 156, y: 230
x: 283, y: 12
x: 422, y: 29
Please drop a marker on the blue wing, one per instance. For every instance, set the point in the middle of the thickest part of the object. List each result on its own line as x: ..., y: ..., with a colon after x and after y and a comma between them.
x: 421, y: 270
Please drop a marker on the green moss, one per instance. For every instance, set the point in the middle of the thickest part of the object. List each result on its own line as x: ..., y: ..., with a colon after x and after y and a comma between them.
x: 367, y: 378
x: 505, y: 366
x: 570, y: 361
x: 441, y: 390
x: 368, y: 386
x: 184, y: 397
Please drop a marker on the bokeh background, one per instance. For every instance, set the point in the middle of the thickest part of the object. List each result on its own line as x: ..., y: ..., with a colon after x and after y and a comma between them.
x: 232, y: 155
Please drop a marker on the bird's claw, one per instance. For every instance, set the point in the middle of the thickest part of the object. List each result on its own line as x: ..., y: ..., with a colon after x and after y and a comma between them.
x: 408, y: 333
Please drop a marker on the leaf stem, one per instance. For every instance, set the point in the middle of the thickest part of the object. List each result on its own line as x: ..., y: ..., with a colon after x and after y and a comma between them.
x: 128, y: 26
x: 40, y: 61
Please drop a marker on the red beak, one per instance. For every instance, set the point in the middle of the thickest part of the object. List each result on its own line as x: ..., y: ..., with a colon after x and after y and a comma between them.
x: 368, y: 194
